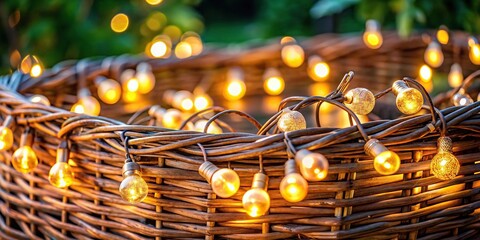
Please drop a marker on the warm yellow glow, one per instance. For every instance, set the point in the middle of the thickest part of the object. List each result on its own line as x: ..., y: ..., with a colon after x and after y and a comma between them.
x: 387, y: 163
x: 313, y: 166
x: 145, y: 78
x: 156, y: 21
x: 130, y: 97
x: 291, y: 121
x: 235, y: 90
x: 433, y: 54
x: 293, y: 187
x: 158, y: 49
x: 444, y: 165
x: 360, y: 100
x: 37, y: 98
x: 109, y: 91
x: 318, y: 69
x: 61, y: 175
x: 183, y: 100
x: 287, y: 39
x: 183, y: 50
x: 36, y: 70
x: 273, y: 83
x: 225, y: 182
x: 6, y: 138
x: 409, y: 101
x: 256, y: 202
x: 425, y: 73
x: 173, y: 32
x: 270, y: 104
x: 133, y: 188
x: 474, y: 53
x: 213, y: 128
x: 154, y: 2
x: 87, y: 105
x: 31, y: 65
x: 202, y: 101
x: 293, y: 55
x: 24, y: 159
x: 172, y: 119
x: 455, y: 76
x: 119, y: 23
x: 442, y: 36
x: 132, y: 85
x: 195, y: 42
x: 15, y: 58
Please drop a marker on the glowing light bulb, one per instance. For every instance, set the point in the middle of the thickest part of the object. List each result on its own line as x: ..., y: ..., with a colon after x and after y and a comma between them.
x: 293, y: 187
x: 133, y: 187
x: 461, y: 98
x: 360, y: 100
x: 455, y: 76
x: 425, y: 73
x: 6, y: 135
x: 313, y: 166
x: 157, y: 113
x: 273, y: 83
x: 37, y: 98
x: 194, y: 40
x: 172, y: 119
x: 119, y: 23
x: 213, y: 128
x: 183, y: 50
x: 24, y: 159
x: 409, y: 100
x: 236, y: 87
x: 291, y: 121
x: 202, y: 101
x: 31, y: 65
x: 385, y: 162
x: 87, y: 105
x: 444, y: 165
x: 372, y: 37
x: 129, y: 81
x: 108, y: 90
x: 159, y: 47
x: 442, y: 35
x: 474, y: 52
x: 61, y: 175
x: 433, y: 54
x: 145, y: 78
x: 256, y: 201
x: 292, y: 54
x: 183, y: 100
x: 318, y: 69
x: 224, y: 181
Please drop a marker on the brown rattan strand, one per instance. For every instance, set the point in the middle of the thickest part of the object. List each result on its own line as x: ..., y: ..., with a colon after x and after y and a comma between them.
x: 353, y: 202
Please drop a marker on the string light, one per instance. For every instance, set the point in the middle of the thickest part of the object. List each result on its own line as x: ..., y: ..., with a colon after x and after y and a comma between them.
x: 183, y: 50
x: 86, y: 104
x: 157, y: 113
x: 201, y: 100
x: 24, y: 158
x: 385, y: 161
x: 273, y: 83
x: 108, y: 90
x: 133, y: 187
x: 318, y: 69
x: 461, y: 98
x: 360, y: 100
x: 313, y: 166
x: 183, y: 100
x: 224, y: 181
x: 444, y: 165
x: 474, y: 52
x: 160, y: 47
x: 442, y: 35
x: 130, y: 85
x: 172, y: 119
x: 409, y: 100
x: 256, y: 201
x: 213, y: 128
x: 40, y: 99
x: 293, y: 187
x: 119, y: 23
x: 32, y: 65
x: 455, y: 76
x: 236, y: 87
x: 433, y: 55
x: 425, y: 73
x: 372, y: 37
x: 291, y: 121
x: 61, y: 174
x: 195, y: 42
x: 145, y: 77
x: 6, y: 134
x: 292, y: 54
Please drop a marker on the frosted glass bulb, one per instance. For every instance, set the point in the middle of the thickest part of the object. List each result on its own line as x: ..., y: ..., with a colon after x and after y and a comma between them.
x: 37, y: 98
x: 213, y: 128
x: 292, y: 55
x: 256, y: 202
x: 372, y: 37
x: 6, y: 138
x: 235, y: 86
x: 273, y: 83
x: 433, y: 55
x: 129, y: 81
x: 183, y: 100
x: 474, y: 53
x: 313, y: 166
x: 109, y: 91
x: 444, y: 166
x: 225, y: 182
x: 202, y: 101
x: 462, y: 99
x: 360, y: 100
x: 24, y: 159
x: 133, y: 188
x: 425, y: 73
x: 183, y: 50
x: 317, y: 68
x: 409, y: 100
x: 61, y: 175
x: 291, y: 121
x: 293, y: 187
x: 87, y: 105
x: 455, y: 76
x: 172, y: 119
x: 145, y: 77
x: 385, y: 161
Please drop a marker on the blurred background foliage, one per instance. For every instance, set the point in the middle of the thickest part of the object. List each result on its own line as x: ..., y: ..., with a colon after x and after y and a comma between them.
x: 56, y: 30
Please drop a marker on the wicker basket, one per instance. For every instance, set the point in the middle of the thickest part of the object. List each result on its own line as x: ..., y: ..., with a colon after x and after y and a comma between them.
x: 353, y: 202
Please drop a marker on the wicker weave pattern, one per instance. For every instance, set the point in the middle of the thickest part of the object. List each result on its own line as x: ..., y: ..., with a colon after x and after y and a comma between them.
x: 354, y: 201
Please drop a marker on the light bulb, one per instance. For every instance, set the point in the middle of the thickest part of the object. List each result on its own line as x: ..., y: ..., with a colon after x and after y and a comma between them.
x: 183, y: 100
x: 213, y: 128
x: 318, y: 69
x: 129, y: 81
x: 202, y: 101
x: 273, y: 83
x: 425, y: 73
x: 183, y: 50
x: 172, y: 119
x: 433, y: 55
x: 133, y: 187
x: 360, y: 100
x: 455, y: 76
x: 24, y: 159
x: 409, y: 100
x: 474, y: 53
x: 224, y: 181
x: 145, y: 77
x: 87, y: 105
x: 61, y: 175
x: 291, y: 121
x: 37, y: 98
x: 292, y: 54
x: 461, y: 98
x: 385, y: 162
x: 372, y: 37
x: 31, y: 65
x: 444, y: 165
x: 256, y: 201
x: 442, y: 35
x: 108, y: 90
x: 159, y: 47
x: 157, y: 113
x: 313, y: 166
x: 293, y: 187
x: 236, y: 87
x: 195, y: 42
x: 6, y: 138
